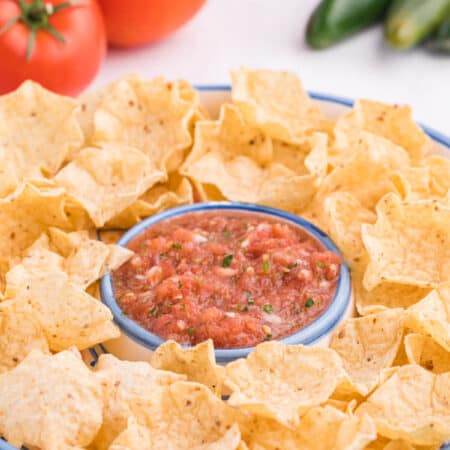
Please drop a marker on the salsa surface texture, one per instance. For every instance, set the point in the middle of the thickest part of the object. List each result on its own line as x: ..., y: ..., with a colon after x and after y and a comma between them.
x: 238, y: 278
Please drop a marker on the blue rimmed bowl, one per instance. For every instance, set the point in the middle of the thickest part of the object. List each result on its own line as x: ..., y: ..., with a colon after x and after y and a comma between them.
x: 137, y: 342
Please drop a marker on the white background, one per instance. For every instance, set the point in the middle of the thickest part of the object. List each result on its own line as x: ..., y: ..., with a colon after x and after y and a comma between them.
x: 270, y: 34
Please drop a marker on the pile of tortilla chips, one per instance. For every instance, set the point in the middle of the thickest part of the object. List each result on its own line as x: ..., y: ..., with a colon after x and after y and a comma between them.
x: 75, y: 170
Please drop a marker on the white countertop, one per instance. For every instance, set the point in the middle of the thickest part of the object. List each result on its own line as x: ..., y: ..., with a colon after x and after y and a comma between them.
x: 270, y: 34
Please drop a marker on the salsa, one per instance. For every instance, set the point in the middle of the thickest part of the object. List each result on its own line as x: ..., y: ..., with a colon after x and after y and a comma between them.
x: 238, y: 278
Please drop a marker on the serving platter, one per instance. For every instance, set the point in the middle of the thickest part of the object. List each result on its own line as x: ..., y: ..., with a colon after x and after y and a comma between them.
x: 212, y: 97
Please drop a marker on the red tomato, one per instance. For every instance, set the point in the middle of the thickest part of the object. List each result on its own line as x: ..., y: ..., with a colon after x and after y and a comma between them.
x: 64, y: 67
x: 137, y: 22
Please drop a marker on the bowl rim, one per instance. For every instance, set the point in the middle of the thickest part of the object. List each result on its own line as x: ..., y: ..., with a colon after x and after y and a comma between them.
x: 317, y: 329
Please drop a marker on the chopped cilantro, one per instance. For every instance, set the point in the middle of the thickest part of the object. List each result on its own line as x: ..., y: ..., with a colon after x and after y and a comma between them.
x: 182, y: 306
x: 268, y: 308
x: 154, y: 311
x: 265, y: 266
x: 177, y: 245
x: 226, y: 233
x: 309, y: 302
x: 180, y: 285
x: 191, y: 331
x: 226, y: 261
x: 169, y: 304
x: 267, y: 337
x: 320, y: 265
x: 162, y: 255
x: 242, y: 307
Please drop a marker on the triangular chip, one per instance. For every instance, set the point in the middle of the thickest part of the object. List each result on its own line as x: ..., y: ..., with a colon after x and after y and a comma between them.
x: 150, y: 116
x: 38, y: 129
x: 409, y: 243
x: 106, y: 181
x: 236, y: 160
x: 20, y: 333
x: 393, y: 122
x: 134, y: 437
x: 367, y: 345
x: 176, y: 191
x: 431, y: 316
x: 283, y: 382
x: 197, y: 363
x: 275, y: 102
x: 426, y: 352
x: 412, y: 405
x: 130, y: 389
x: 67, y: 314
x: 50, y: 402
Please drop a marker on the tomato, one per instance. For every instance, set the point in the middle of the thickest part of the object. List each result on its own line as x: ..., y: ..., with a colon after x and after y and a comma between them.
x: 137, y: 22
x: 69, y: 46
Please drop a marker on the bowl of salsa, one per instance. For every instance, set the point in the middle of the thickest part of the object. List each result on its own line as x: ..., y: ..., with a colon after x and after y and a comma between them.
x: 235, y: 273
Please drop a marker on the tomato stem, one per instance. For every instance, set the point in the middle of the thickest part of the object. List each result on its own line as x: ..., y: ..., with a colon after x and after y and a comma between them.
x: 35, y: 15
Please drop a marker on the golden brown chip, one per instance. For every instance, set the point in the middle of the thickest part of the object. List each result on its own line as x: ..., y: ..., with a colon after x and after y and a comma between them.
x: 67, y: 314
x: 275, y: 102
x: 150, y: 116
x: 431, y: 316
x: 190, y: 416
x: 197, y: 363
x: 25, y: 215
x: 413, y: 404
x: 367, y: 345
x: 235, y: 160
x: 50, y: 402
x: 134, y: 437
x: 176, y: 191
x: 38, y: 129
x: 439, y: 173
x: 409, y: 244
x: 425, y: 351
x: 282, y: 382
x: 130, y: 389
x: 20, y: 333
x: 385, y: 295
x: 341, y: 217
x: 365, y: 173
x: 124, y: 176
x: 85, y: 259
x: 320, y: 428
x: 392, y: 122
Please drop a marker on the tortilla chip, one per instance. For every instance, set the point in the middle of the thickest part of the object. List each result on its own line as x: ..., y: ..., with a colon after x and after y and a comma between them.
x: 38, y: 129
x: 150, y: 116
x: 308, y: 158
x: 67, y: 314
x: 87, y: 260
x: 365, y: 173
x: 337, y: 431
x: 341, y: 218
x: 235, y: 159
x: 25, y: 215
x: 426, y: 352
x: 134, y: 437
x: 110, y: 236
x: 19, y: 335
x: 130, y: 389
x: 197, y: 363
x: 411, y: 405
x: 385, y: 295
x: 50, y: 402
x: 90, y: 101
x: 176, y: 191
x: 192, y: 417
x: 409, y: 243
x: 282, y: 382
x: 439, y: 173
x: 367, y: 345
x: 431, y: 316
x: 392, y: 122
x: 126, y: 174
x: 275, y: 102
